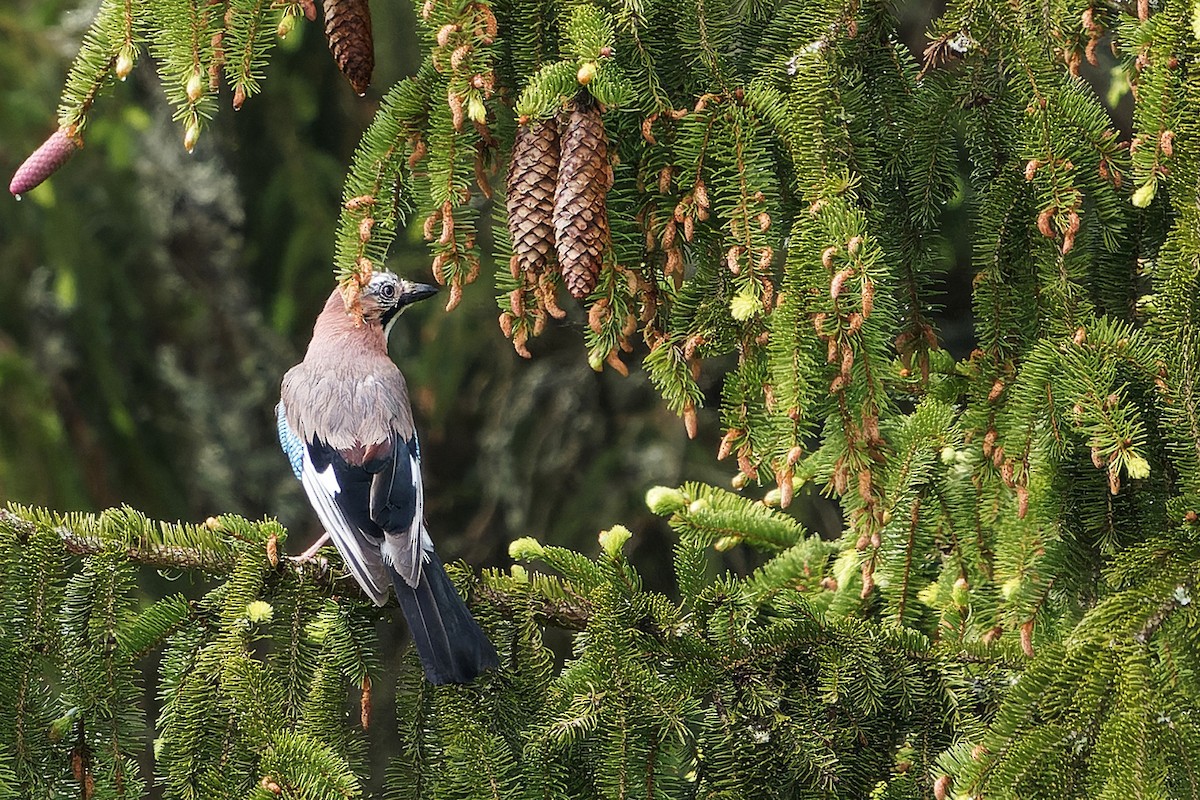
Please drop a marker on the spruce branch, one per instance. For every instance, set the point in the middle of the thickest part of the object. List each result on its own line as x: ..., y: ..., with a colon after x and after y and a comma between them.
x: 319, y: 571
x: 81, y: 544
x: 560, y: 613
x: 1180, y: 598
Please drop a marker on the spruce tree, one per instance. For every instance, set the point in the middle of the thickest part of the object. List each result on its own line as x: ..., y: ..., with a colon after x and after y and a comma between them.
x: 759, y: 188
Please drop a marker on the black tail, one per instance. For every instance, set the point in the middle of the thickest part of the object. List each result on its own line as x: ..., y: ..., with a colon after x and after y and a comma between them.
x: 452, y: 647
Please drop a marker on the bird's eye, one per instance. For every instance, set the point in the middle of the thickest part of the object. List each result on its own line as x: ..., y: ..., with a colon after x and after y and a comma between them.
x: 387, y: 291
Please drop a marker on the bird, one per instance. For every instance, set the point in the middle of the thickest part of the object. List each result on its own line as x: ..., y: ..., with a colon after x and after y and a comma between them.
x: 347, y: 428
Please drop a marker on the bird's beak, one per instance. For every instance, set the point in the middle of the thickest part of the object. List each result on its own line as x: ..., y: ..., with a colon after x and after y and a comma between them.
x: 418, y: 291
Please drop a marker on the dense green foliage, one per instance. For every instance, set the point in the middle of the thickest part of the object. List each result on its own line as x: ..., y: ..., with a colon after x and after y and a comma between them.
x: 1008, y: 611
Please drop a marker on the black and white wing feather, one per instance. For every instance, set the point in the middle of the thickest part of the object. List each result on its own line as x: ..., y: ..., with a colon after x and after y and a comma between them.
x: 330, y: 495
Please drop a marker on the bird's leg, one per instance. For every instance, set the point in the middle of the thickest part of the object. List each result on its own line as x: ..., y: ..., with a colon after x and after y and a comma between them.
x: 312, y: 551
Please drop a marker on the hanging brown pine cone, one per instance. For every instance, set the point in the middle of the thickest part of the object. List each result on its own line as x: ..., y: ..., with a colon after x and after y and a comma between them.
x: 348, y: 29
x: 580, y: 202
x: 532, y: 175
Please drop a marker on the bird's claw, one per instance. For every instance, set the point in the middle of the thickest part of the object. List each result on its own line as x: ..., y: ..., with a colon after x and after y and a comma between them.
x: 310, y: 553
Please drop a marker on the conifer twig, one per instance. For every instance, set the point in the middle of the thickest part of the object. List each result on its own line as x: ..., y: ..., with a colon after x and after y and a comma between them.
x: 558, y: 613
x: 1165, y: 610
x: 162, y: 557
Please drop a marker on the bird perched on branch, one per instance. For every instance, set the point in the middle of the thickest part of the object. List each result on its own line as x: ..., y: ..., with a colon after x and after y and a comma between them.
x: 346, y: 426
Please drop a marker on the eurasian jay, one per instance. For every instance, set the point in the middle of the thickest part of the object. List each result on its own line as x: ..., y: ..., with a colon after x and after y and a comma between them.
x: 346, y: 426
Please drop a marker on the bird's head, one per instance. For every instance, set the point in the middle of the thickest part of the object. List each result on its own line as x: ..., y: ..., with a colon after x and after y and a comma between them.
x: 386, y: 295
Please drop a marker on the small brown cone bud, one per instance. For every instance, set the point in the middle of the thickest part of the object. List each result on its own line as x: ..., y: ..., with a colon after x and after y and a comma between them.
x: 458, y: 114
x: 45, y: 161
x: 1045, y: 222
x: 239, y: 94
x: 419, y: 151
x: 310, y: 9
x: 459, y: 56
x: 1166, y: 143
x: 727, y: 441
x: 745, y: 465
x: 365, y: 702
x: 827, y: 256
x: 647, y: 132
x: 550, y: 299
x: 731, y: 259
x: 664, y: 180
x: 273, y: 550
x: 629, y: 327
x: 365, y: 269
x: 674, y: 266
x: 835, y: 286
x: 532, y: 178
x: 864, y: 485
x: 941, y: 787
x: 868, y: 297
x: 519, y: 339
x: 614, y: 361
x: 444, y: 33
x: 668, y: 234
x: 786, y: 489
x: 868, y: 580
x: 597, y: 315
x: 348, y: 31
x: 490, y: 25
x: 690, y: 421
x: 581, y: 232
x: 455, y: 296
x: 1027, y: 637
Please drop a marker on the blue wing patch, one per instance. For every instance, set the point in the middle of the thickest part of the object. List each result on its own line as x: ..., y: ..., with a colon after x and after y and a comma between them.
x: 292, y: 446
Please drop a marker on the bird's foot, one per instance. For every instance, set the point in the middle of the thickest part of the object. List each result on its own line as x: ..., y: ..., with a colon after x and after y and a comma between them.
x: 310, y: 553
